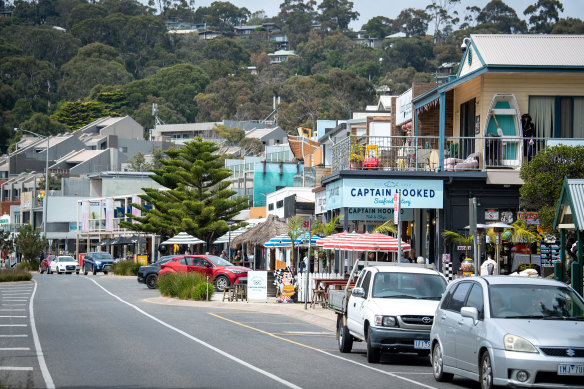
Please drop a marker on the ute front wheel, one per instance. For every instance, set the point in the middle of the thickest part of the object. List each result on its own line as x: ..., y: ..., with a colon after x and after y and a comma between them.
x: 373, y: 353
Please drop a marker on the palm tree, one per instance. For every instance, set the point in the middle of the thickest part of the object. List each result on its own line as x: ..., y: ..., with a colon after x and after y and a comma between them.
x: 454, y: 237
x: 521, y: 234
x: 326, y: 229
x: 388, y: 226
x: 294, y: 231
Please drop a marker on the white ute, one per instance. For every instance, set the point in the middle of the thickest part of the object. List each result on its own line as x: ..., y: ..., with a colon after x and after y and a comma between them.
x: 391, y: 308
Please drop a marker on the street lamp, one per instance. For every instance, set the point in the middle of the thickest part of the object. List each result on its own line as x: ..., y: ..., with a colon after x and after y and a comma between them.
x: 46, y: 178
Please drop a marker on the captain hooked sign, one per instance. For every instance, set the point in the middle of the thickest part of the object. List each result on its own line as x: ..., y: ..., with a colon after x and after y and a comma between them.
x: 388, y: 192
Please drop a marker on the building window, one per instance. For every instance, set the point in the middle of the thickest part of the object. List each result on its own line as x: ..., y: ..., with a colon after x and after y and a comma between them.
x: 124, y: 149
x: 271, y: 207
x: 280, y: 204
x: 557, y: 116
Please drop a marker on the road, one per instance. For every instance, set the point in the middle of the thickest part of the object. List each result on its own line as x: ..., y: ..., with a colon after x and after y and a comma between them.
x: 74, y: 331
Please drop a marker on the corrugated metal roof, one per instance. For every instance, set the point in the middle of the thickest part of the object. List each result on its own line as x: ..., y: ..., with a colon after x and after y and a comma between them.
x: 577, y: 195
x: 530, y: 50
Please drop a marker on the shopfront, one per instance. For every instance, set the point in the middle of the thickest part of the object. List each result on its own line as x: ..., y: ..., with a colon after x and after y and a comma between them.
x: 367, y: 202
x: 431, y: 202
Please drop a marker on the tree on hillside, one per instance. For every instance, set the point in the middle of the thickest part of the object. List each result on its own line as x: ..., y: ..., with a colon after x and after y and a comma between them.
x: 503, y: 17
x: 336, y: 14
x: 413, y: 22
x: 76, y: 114
x: 543, y: 178
x: 443, y: 15
x: 543, y: 15
x: 43, y: 125
x: 379, y: 27
x: 297, y: 17
x: 196, y: 198
x: 29, y: 243
x: 569, y: 26
x: 225, y: 15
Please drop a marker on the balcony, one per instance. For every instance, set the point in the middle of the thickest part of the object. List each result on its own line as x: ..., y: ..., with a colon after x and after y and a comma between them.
x: 423, y: 153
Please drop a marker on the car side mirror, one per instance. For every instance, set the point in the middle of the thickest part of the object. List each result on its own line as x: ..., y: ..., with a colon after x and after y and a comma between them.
x: 471, y: 312
x: 358, y: 292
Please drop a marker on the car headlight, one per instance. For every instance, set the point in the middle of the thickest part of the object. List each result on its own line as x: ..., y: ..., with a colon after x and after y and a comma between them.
x: 517, y: 343
x: 386, y: 321
x: 98, y: 262
x: 235, y: 271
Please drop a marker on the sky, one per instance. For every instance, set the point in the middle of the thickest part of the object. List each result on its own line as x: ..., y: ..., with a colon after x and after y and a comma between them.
x: 391, y: 8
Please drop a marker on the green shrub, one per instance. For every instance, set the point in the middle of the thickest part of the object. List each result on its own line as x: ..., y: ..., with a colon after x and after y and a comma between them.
x: 28, y: 266
x: 185, y: 286
x: 15, y: 275
x: 126, y: 268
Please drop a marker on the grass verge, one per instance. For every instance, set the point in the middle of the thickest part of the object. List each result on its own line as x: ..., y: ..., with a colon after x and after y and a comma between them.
x: 8, y: 275
x: 185, y: 286
x: 125, y: 268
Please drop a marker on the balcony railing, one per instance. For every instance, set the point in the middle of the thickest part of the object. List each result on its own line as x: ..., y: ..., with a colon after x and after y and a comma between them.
x: 423, y: 153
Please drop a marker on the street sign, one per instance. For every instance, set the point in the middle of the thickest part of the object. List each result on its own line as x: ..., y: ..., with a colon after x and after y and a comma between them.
x: 396, y: 207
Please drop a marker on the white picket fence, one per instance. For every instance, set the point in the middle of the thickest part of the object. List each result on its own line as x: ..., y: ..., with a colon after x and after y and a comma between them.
x: 311, y: 276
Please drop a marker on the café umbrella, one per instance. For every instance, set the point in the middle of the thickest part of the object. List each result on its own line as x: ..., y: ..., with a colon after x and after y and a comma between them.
x: 361, y: 242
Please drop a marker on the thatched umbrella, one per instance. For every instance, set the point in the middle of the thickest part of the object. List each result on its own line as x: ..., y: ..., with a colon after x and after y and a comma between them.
x: 261, y: 233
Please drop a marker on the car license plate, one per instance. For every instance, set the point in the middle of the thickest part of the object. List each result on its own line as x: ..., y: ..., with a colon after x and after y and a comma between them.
x: 422, y: 344
x: 570, y: 369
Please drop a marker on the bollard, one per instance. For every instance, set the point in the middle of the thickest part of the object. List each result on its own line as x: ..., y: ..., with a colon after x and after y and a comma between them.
x: 577, y: 277
x: 207, y: 288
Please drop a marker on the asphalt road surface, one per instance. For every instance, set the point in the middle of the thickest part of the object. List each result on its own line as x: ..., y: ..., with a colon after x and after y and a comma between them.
x: 75, y: 331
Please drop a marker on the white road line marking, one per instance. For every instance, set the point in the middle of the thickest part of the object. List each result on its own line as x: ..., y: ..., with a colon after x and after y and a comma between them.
x: 11, y: 299
x: 12, y: 310
x: 23, y: 292
x: 15, y: 368
x: 37, y: 344
x: 201, y: 342
x: 14, y: 336
x: 12, y: 316
x: 14, y: 348
x: 13, y: 325
x: 13, y: 305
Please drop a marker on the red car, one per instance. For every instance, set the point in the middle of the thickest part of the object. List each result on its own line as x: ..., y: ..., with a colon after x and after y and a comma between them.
x: 46, y: 264
x: 222, y: 272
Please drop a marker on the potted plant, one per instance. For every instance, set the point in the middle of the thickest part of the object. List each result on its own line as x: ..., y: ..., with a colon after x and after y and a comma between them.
x: 357, y: 156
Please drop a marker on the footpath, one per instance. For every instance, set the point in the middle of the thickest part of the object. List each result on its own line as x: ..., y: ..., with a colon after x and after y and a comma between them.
x: 319, y: 316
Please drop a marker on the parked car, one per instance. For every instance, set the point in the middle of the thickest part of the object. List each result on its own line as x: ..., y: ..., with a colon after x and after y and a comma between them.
x: 391, y: 308
x: 97, y: 261
x: 64, y: 264
x: 517, y: 331
x: 149, y: 274
x: 45, y: 264
x: 222, y: 272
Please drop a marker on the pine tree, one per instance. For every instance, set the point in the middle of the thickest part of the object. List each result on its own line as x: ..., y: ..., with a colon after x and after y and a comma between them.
x: 196, y: 198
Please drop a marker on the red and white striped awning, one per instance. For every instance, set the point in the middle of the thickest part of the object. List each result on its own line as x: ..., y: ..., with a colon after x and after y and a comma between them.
x: 361, y: 242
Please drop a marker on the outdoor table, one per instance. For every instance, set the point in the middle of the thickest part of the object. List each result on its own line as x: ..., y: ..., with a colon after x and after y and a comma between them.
x: 322, y: 286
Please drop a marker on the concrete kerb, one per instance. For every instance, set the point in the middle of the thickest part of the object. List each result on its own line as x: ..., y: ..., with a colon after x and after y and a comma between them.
x: 321, y: 317
x: 318, y: 316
